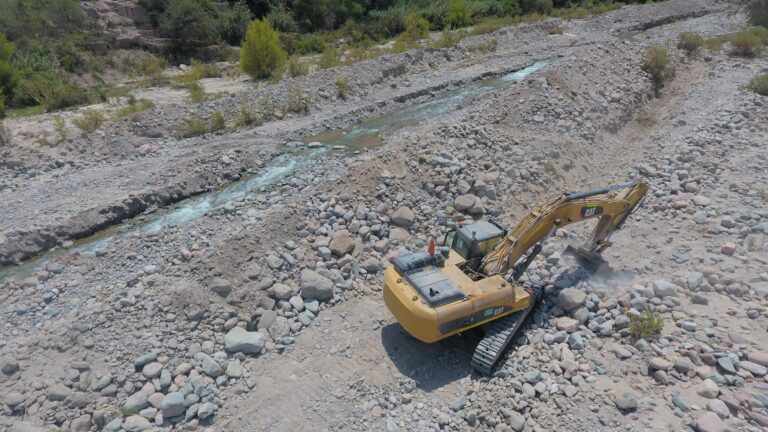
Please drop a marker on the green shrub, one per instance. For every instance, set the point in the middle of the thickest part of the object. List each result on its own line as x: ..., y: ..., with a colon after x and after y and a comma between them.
x: 758, y: 12
x: 458, y: 14
x: 746, y: 43
x: 485, y: 47
x: 217, y: 121
x: 330, y: 58
x: 657, y: 66
x: 90, y: 121
x: 714, y: 44
x: 759, y: 84
x: 296, y: 67
x: 449, y: 38
x: 282, y: 20
x: 30, y: 19
x: 234, y: 23
x: 196, y: 92
x: 134, y: 107
x: 261, y: 53
x: 647, y: 325
x: 193, y: 126
x: 196, y: 125
x: 50, y: 90
x: 689, y: 41
x: 190, y: 24
x: 416, y: 28
x: 60, y: 127
x: 297, y: 100
x: 540, y: 6
x: 342, y: 87
x: 248, y: 117
x: 308, y: 43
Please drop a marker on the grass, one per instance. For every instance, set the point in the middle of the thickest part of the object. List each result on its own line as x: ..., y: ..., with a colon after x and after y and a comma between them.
x: 60, y: 128
x: 759, y: 84
x: 748, y: 42
x: 657, y: 66
x: 714, y: 44
x: 196, y: 125
x: 134, y: 108
x: 248, y: 117
x: 296, y: 67
x: 297, y: 100
x: 647, y: 325
x: 90, y: 121
x: 26, y: 111
x: 342, y: 87
x: 5, y: 136
x: 329, y: 59
x: 196, y: 93
x: 689, y: 42
x: 485, y: 47
x: 449, y: 38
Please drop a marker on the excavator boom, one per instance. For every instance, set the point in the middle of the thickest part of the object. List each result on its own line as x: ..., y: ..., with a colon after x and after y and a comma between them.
x: 611, y: 205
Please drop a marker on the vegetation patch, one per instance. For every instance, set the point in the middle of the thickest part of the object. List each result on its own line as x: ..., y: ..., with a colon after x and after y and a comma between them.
x: 657, y: 66
x: 757, y: 10
x: 689, y: 42
x: 90, y: 121
x: 342, y: 87
x: 248, y: 117
x: 759, y: 84
x: 60, y: 128
x: 647, y: 325
x: 748, y: 42
x: 134, y: 108
x: 261, y: 54
x: 196, y: 125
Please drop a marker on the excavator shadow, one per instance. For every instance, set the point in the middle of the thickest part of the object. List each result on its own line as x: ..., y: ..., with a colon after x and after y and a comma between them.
x: 431, y: 366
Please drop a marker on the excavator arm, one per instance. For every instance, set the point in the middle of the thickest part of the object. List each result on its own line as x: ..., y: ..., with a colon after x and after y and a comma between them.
x: 611, y: 205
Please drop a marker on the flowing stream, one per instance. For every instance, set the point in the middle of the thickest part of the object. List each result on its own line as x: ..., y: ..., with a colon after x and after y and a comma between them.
x: 365, y: 135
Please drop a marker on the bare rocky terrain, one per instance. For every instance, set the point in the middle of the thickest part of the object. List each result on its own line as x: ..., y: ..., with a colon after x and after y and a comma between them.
x: 264, y: 311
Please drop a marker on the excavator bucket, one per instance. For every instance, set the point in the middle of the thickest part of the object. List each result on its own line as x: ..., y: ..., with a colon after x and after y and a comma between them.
x: 592, y: 263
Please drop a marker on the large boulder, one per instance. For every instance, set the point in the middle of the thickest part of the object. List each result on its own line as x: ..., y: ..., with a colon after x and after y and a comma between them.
x: 341, y: 243
x: 135, y: 403
x: 173, y: 405
x: 466, y: 202
x: 240, y: 340
x: 220, y: 286
x: 403, y: 217
x: 571, y: 298
x: 315, y: 286
x: 663, y: 288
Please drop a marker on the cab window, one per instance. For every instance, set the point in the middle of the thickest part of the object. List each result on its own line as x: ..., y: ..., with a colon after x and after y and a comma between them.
x: 449, y: 236
x: 461, y: 245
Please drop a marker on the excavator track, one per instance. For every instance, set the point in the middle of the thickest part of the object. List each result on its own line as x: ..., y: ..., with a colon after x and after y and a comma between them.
x: 499, y: 334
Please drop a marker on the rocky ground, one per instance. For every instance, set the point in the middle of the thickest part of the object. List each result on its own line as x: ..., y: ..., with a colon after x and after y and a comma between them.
x: 266, y: 313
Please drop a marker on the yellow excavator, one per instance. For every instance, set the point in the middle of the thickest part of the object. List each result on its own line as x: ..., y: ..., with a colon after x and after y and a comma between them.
x: 473, y: 279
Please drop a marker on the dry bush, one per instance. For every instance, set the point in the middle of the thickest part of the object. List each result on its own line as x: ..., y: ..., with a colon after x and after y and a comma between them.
x: 759, y: 84
x: 689, y: 42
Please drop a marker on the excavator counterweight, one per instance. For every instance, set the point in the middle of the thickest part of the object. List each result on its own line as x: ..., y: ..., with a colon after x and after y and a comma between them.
x: 473, y: 280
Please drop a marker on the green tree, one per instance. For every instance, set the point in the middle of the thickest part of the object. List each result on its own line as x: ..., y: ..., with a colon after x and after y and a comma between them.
x: 190, y: 23
x: 758, y: 12
x: 29, y: 19
x: 458, y: 14
x: 234, y: 23
x: 416, y: 28
x: 8, y: 74
x: 261, y: 53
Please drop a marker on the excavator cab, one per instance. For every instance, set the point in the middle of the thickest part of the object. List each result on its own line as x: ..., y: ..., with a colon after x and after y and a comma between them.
x: 475, y: 240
